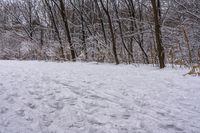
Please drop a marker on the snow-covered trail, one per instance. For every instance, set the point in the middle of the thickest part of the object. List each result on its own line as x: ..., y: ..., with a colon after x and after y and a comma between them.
x: 46, y: 97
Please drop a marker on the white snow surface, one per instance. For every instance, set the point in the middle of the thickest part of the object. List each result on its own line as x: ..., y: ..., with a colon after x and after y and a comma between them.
x: 49, y: 97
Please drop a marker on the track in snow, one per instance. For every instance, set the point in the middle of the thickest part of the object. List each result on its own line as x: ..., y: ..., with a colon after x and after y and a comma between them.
x: 45, y: 97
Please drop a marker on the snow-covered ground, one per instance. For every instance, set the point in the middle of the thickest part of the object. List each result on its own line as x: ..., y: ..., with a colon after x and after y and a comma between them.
x: 46, y: 97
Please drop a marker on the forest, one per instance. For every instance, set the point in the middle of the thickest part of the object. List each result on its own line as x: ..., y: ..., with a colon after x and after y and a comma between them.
x: 99, y: 66
x: 112, y: 31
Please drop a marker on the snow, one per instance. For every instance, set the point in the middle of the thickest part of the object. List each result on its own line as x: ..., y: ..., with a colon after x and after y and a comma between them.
x: 47, y: 97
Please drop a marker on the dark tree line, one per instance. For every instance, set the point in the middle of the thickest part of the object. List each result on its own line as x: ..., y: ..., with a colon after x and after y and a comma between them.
x: 115, y: 31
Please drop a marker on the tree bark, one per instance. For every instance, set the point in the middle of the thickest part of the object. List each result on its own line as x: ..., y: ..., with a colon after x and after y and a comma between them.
x: 120, y: 29
x: 101, y: 21
x: 138, y: 40
x: 111, y: 32
x: 64, y: 17
x: 187, y: 44
x: 83, y: 30
x: 160, y: 49
x: 62, y: 55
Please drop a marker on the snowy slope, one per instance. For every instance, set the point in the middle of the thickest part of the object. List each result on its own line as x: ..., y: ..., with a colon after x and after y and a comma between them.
x: 45, y: 97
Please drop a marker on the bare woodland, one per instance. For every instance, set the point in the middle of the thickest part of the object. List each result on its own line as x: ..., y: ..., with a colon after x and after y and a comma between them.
x: 114, y: 31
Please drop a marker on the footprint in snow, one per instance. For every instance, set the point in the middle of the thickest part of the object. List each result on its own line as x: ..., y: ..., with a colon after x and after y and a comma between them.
x: 29, y: 118
x: 20, y: 112
x: 124, y: 93
x: 3, y: 110
x: 170, y: 126
x: 14, y: 94
x: 57, y: 91
x: 4, y: 123
x: 32, y: 92
x: 45, y: 121
x: 10, y: 99
x: 38, y: 97
x: 71, y: 100
x: 95, y: 122
x: 31, y: 105
x: 57, y: 105
x: 161, y: 113
x: 126, y: 116
x: 113, y: 116
x: 2, y: 90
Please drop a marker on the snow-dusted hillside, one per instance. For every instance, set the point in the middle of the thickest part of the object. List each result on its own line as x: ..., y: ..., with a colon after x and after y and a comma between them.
x: 45, y: 97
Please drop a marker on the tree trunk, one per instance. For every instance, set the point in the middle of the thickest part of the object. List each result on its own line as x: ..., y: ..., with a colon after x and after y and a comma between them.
x: 187, y: 44
x: 67, y: 31
x: 160, y: 49
x: 83, y: 31
x: 120, y: 30
x: 62, y: 55
x: 101, y: 21
x: 138, y: 40
x: 111, y: 32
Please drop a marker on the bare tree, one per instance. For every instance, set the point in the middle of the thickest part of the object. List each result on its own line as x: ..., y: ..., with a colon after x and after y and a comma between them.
x: 106, y: 10
x: 101, y: 30
x: 50, y: 10
x: 66, y: 26
x: 157, y: 16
